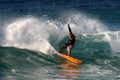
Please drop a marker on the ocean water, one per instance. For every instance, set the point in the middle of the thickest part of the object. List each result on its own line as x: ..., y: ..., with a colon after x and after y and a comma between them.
x: 31, y: 31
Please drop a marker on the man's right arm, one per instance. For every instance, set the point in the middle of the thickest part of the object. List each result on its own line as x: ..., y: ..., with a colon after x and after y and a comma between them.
x: 69, y: 28
x: 70, y: 31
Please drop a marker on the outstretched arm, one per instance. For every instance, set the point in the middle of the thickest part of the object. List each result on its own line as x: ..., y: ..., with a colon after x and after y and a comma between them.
x: 69, y: 28
x: 70, y: 32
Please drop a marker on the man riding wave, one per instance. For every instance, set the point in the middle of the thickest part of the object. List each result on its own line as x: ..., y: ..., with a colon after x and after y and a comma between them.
x: 70, y: 43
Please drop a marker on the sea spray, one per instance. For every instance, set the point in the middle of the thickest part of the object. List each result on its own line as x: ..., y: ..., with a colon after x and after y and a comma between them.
x: 27, y: 33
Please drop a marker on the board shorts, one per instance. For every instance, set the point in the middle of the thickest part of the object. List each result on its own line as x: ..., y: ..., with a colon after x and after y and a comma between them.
x: 69, y: 47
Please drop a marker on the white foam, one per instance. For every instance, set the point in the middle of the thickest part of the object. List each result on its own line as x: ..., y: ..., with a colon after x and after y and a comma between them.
x: 113, y: 37
x: 28, y: 33
x: 82, y: 23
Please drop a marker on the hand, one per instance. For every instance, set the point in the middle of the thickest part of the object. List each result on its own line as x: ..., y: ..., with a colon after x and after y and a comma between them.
x: 68, y: 25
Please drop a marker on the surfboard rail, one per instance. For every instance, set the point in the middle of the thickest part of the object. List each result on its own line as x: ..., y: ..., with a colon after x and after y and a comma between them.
x: 70, y: 58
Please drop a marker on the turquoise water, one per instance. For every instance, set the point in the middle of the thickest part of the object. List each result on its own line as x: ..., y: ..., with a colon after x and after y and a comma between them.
x: 33, y: 31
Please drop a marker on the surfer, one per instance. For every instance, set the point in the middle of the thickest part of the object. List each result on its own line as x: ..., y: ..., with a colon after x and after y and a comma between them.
x: 70, y: 43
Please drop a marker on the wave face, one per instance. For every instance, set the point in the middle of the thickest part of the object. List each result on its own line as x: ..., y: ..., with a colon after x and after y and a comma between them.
x: 34, y: 30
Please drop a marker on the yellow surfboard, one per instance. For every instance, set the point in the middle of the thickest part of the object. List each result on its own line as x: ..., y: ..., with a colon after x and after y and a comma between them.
x: 70, y: 58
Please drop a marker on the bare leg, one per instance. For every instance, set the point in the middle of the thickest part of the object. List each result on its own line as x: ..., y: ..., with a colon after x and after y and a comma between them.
x: 68, y: 50
x: 68, y: 53
x: 64, y: 46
